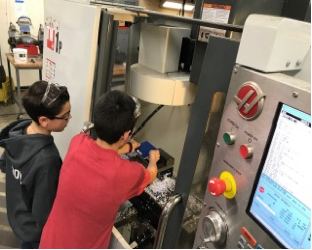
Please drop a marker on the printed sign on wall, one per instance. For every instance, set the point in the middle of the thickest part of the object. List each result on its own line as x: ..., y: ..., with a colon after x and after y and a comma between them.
x: 52, y: 27
x: 50, y: 70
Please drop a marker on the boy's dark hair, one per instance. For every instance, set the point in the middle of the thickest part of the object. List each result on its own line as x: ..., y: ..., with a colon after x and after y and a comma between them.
x: 32, y: 101
x: 114, y: 115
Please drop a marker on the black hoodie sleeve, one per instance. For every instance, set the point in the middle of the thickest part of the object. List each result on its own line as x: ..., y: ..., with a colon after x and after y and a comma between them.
x: 3, y: 162
x: 45, y: 189
x: 5, y: 134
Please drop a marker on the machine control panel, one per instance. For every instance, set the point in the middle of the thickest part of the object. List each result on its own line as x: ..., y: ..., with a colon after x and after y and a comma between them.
x: 258, y: 188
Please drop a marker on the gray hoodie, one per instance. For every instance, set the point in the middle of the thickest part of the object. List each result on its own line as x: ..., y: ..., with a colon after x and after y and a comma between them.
x: 32, y: 165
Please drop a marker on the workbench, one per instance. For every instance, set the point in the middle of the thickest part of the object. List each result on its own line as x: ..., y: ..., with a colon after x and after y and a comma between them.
x: 33, y: 63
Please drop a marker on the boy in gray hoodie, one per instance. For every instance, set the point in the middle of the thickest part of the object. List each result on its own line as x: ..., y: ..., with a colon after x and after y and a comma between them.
x: 31, y: 160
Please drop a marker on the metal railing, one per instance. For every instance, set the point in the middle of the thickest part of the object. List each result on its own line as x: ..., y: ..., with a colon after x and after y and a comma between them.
x: 188, y: 20
x: 162, y: 224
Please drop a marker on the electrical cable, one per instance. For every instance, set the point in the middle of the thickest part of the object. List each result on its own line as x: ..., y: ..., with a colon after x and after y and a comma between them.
x: 146, y: 120
x: 138, y: 20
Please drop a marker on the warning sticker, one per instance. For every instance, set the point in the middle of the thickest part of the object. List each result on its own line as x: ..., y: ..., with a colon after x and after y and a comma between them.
x: 213, y: 13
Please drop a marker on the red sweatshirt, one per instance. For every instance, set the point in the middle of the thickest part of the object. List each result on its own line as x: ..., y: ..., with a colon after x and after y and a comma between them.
x: 93, y: 183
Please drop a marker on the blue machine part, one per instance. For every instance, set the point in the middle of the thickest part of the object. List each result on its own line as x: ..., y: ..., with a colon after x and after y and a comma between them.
x: 25, y: 29
x: 144, y: 149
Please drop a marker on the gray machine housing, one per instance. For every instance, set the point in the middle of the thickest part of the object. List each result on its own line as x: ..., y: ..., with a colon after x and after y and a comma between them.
x: 277, y: 88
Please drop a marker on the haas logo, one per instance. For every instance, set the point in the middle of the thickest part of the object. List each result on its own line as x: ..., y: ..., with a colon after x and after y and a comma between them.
x: 250, y: 100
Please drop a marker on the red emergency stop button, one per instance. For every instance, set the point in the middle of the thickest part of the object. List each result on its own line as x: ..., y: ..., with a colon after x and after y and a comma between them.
x: 225, y: 185
x: 216, y: 186
x: 246, y: 151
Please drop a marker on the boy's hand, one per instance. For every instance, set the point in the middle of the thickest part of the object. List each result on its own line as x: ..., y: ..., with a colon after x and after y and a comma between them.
x: 135, y: 144
x: 129, y: 147
x: 154, y: 155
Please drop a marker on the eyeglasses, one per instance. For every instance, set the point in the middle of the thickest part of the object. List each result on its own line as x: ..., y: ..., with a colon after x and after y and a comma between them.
x: 51, y: 94
x: 65, y: 117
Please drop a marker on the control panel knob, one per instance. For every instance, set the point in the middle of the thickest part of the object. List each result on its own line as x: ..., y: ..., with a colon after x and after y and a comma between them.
x: 229, y: 138
x: 246, y: 151
x: 214, y: 228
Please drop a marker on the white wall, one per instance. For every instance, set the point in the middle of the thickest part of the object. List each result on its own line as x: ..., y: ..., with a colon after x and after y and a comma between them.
x: 34, y: 10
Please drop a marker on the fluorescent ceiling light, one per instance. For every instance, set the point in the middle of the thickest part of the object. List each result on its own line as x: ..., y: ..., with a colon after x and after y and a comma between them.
x: 178, y: 6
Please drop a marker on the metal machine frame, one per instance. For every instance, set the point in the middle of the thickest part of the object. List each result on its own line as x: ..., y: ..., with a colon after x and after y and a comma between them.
x: 220, y: 54
x: 105, y: 57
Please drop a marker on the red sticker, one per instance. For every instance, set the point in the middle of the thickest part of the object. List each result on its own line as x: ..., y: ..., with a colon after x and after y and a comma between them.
x: 51, y: 38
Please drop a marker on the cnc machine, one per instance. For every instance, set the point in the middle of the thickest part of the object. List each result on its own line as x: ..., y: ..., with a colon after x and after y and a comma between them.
x: 186, y: 127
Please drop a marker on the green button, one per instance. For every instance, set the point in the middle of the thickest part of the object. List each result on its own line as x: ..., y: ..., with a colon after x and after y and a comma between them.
x: 228, y: 138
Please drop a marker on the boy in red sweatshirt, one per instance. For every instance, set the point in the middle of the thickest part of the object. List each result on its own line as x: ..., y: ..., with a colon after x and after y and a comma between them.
x: 95, y: 181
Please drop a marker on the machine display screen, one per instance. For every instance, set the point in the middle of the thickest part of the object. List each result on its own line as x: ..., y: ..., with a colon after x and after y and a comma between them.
x: 281, y: 199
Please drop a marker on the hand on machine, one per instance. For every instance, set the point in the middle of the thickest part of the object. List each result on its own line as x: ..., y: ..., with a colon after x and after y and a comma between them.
x: 142, y: 153
x: 146, y: 151
x: 153, y: 155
